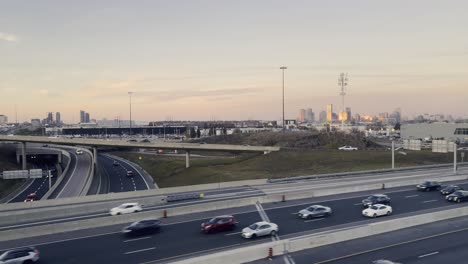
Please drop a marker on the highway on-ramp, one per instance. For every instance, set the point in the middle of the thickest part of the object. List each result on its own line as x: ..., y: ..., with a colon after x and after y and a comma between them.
x: 180, y: 236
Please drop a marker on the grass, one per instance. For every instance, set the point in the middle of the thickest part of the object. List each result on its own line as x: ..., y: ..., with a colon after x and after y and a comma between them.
x: 8, y: 162
x: 170, y: 171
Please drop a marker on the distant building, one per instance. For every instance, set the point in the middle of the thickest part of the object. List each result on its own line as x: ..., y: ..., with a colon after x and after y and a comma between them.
x: 383, y: 116
x: 82, y: 116
x: 58, y: 119
x: 330, y: 112
x: 302, y: 115
x: 50, y: 118
x: 343, y: 116
x: 323, y: 116
x: 36, y: 122
x: 357, y: 118
x: 310, y: 116
x: 3, y: 119
x: 348, y: 112
x: 87, y: 120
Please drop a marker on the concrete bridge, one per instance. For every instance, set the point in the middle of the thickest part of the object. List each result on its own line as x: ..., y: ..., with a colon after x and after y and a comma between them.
x: 95, y: 143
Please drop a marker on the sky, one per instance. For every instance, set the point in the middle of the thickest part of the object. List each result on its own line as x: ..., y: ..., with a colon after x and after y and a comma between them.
x: 220, y: 59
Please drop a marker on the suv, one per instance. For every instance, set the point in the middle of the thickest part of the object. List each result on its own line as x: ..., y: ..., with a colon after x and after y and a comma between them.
x: 219, y: 223
x: 31, y: 197
x: 129, y: 173
x: 429, y: 186
x: 20, y: 255
x: 376, y: 199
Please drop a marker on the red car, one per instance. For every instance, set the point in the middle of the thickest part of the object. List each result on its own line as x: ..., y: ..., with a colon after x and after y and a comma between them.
x: 219, y: 223
x: 31, y: 197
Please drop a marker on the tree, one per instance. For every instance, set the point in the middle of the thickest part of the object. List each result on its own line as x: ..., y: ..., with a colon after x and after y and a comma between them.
x: 198, y: 133
x: 397, y: 126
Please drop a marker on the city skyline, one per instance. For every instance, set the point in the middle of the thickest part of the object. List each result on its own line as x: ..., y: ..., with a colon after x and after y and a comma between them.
x: 197, y: 63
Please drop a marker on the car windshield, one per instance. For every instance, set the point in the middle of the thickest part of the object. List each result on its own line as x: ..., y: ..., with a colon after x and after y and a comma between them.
x: 372, y: 197
x: 374, y: 207
x: 457, y: 193
x: 310, y: 208
x: 213, y: 220
x: 253, y: 226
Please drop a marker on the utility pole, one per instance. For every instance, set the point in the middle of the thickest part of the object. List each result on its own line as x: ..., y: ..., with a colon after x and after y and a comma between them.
x: 393, y: 154
x: 343, y: 82
x: 455, y: 158
x: 283, y: 68
x: 130, y: 97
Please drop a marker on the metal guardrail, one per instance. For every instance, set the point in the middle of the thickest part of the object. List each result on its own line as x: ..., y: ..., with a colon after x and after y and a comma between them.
x: 183, y: 197
x: 355, y: 173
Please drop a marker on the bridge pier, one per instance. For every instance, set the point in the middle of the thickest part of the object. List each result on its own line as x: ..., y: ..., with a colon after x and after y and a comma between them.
x: 23, y: 155
x: 187, y: 159
x: 95, y: 156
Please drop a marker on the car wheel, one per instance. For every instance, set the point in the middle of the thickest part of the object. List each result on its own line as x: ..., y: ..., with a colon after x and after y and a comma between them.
x: 253, y: 236
x: 375, y: 215
x: 458, y: 200
x: 119, y: 213
x: 388, y: 213
x: 273, y: 232
x: 27, y: 261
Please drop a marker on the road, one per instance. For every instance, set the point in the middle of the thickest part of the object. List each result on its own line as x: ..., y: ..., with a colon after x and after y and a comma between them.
x: 75, y: 179
x: 181, y: 236
x: 435, y: 243
x: 113, y: 178
x: 39, y: 186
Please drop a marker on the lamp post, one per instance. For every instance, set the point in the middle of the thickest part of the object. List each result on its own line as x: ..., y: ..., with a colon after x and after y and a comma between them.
x: 283, y: 68
x: 130, y: 97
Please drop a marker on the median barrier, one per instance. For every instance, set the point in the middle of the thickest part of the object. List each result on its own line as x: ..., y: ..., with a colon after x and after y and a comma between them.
x: 59, y: 177
x: 90, y: 177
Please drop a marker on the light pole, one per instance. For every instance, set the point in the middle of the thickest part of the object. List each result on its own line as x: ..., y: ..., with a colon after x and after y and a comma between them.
x: 130, y: 97
x: 283, y: 68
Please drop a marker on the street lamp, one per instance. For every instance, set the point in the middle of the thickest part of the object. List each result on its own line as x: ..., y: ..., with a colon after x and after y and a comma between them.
x: 283, y: 68
x: 130, y: 97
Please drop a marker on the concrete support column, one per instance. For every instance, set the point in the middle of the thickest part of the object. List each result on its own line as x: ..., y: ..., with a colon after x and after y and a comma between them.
x: 95, y: 156
x: 23, y: 155
x: 59, y: 158
x: 187, y: 159
x: 455, y: 158
x: 393, y: 154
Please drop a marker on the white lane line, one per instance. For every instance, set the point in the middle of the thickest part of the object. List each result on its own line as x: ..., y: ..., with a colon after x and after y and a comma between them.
x: 430, y: 201
x: 136, y: 239
x: 357, y: 204
x: 141, y: 250
x: 410, y: 196
x: 314, y: 220
x: 430, y: 254
x: 231, y: 234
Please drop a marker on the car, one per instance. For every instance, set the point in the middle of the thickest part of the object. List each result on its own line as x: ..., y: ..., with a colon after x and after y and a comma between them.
x: 45, y: 145
x: 384, y: 261
x: 132, y: 140
x: 115, y: 163
x: 260, y: 229
x: 377, y: 210
x: 450, y: 189
x: 219, y: 223
x: 143, y: 227
x: 31, y: 197
x: 458, y: 196
x: 349, y: 148
x: 429, y: 186
x: 79, y: 152
x: 129, y: 173
x: 376, y: 199
x: 145, y: 140
x: 315, y: 211
x: 126, y: 208
x: 20, y: 255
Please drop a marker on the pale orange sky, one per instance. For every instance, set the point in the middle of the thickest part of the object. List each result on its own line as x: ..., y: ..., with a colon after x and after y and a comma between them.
x: 221, y: 59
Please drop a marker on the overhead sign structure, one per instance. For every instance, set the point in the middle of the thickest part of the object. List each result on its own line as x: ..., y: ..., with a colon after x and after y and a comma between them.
x: 412, y: 144
x: 440, y: 146
x: 22, y: 174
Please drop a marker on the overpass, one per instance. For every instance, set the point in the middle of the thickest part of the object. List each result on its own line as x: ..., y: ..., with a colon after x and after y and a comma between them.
x: 95, y: 143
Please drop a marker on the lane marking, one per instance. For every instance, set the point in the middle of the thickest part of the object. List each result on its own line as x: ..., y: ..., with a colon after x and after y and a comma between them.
x: 430, y: 201
x: 430, y: 254
x: 231, y: 234
x: 136, y: 239
x: 410, y: 196
x: 314, y: 220
x: 141, y: 250
x: 357, y: 204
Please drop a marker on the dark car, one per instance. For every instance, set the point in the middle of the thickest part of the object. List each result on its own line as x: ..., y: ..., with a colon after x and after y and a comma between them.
x: 219, y: 223
x: 376, y: 199
x: 129, y: 173
x: 143, y: 227
x: 115, y: 163
x: 429, y: 186
x: 145, y: 141
x: 450, y: 189
x: 20, y: 255
x: 458, y: 196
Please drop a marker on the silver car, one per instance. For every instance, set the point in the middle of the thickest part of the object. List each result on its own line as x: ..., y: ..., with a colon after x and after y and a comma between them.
x: 315, y: 211
x: 260, y: 229
x: 21, y: 255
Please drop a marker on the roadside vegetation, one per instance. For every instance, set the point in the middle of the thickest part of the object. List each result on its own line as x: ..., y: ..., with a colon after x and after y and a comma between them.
x: 8, y: 162
x: 303, y: 153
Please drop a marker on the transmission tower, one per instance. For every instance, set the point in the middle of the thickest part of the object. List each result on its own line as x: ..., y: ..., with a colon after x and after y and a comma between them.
x: 343, y: 82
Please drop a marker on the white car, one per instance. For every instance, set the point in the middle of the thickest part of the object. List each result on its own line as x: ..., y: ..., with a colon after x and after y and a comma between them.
x: 20, y: 255
x: 377, y: 210
x: 79, y: 152
x: 347, y: 148
x: 260, y: 229
x: 126, y: 208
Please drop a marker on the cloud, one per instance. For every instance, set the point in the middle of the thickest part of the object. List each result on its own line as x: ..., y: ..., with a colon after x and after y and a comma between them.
x: 8, y: 37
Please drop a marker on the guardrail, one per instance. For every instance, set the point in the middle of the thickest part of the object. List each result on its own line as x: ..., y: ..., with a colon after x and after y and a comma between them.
x: 90, y: 177
x: 366, y: 172
x: 59, y: 177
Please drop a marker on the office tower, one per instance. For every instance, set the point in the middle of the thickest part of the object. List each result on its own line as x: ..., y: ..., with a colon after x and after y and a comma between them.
x: 87, y: 118
x: 323, y: 116
x: 3, y: 119
x: 348, y: 112
x: 310, y: 117
x: 50, y: 118
x: 82, y: 116
x: 329, y: 112
x: 58, y: 119
x: 302, y: 114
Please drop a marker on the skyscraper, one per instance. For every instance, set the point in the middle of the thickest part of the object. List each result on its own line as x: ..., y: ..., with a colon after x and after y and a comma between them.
x: 58, y: 119
x: 82, y: 116
x: 323, y: 117
x: 329, y: 112
x: 302, y: 115
x: 50, y: 118
x: 348, y: 112
x: 87, y: 118
x: 310, y: 117
x: 3, y: 119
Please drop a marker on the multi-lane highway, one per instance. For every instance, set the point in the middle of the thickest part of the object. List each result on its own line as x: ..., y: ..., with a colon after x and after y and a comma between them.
x: 181, y: 237
x: 39, y: 186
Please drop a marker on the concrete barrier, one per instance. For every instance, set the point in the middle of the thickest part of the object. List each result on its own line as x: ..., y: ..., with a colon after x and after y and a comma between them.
x: 90, y: 177
x: 252, y: 253
x: 59, y: 178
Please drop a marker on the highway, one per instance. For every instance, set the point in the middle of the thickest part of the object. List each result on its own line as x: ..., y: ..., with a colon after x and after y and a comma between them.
x: 260, y: 190
x: 38, y: 186
x: 435, y: 243
x: 181, y: 237
x: 114, y: 178
x: 74, y: 181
